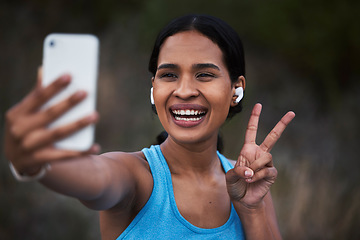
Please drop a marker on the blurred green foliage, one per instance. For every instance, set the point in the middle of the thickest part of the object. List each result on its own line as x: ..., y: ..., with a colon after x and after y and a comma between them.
x: 300, y: 55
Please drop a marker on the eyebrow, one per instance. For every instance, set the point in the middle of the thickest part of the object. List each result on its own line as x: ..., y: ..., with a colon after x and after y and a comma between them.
x: 168, y: 65
x: 205, y: 65
x: 194, y: 66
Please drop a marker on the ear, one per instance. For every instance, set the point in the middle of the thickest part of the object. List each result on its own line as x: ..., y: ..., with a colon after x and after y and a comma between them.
x: 152, y: 81
x: 241, y: 82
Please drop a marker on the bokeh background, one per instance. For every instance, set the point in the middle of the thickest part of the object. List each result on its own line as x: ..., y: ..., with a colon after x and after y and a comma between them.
x: 301, y: 55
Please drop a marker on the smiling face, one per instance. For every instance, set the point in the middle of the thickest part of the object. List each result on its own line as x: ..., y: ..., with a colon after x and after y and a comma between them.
x: 192, y: 87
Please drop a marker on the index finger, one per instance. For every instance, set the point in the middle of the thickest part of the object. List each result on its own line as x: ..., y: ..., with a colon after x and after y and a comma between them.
x: 41, y: 95
x: 252, y: 127
x: 276, y: 132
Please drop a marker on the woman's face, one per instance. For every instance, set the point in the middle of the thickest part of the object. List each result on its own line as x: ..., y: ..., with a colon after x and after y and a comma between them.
x: 192, y: 87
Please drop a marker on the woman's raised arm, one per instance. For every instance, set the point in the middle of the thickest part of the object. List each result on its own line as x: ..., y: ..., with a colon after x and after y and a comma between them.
x: 250, y: 180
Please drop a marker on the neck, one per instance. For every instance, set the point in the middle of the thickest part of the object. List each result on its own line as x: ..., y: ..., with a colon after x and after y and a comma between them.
x: 192, y: 158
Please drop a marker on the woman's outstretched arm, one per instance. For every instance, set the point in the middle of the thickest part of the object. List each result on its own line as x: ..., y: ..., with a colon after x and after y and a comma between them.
x: 29, y: 147
x: 99, y: 182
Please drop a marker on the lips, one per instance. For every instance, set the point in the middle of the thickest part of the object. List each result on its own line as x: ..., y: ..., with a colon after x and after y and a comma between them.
x: 188, y: 115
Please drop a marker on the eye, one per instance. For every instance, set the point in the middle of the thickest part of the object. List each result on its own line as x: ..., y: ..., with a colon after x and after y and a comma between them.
x: 205, y: 76
x: 169, y: 76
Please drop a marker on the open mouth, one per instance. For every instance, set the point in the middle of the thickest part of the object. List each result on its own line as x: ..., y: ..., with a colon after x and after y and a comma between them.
x: 189, y: 115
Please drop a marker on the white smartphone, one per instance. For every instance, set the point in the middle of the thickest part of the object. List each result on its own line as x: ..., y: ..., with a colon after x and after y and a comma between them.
x: 77, y: 55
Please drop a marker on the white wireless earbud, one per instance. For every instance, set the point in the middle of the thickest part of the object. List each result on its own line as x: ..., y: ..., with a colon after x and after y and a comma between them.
x: 152, y: 96
x: 239, y: 92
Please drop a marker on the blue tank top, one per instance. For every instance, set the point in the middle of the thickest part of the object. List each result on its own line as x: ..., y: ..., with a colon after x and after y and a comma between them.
x: 160, y: 217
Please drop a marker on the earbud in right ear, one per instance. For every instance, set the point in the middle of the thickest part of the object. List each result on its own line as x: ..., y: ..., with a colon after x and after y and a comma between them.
x: 239, y: 92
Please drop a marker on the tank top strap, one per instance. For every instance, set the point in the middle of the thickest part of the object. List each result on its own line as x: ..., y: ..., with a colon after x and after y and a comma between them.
x: 225, y: 162
x: 155, y: 159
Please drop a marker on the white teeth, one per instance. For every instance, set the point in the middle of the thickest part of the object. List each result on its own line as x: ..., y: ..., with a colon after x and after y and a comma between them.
x: 188, y: 119
x: 183, y: 115
x: 188, y: 112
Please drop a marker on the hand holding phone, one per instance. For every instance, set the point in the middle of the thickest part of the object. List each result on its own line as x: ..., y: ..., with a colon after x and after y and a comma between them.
x: 76, y: 55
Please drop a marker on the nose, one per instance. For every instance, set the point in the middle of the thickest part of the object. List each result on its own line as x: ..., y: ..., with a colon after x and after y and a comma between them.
x: 186, y: 88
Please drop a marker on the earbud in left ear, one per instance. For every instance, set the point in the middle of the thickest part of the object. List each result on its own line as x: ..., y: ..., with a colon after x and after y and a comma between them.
x: 239, y: 92
x: 152, y: 96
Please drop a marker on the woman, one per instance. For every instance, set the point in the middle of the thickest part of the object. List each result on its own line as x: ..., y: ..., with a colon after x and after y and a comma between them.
x: 183, y: 187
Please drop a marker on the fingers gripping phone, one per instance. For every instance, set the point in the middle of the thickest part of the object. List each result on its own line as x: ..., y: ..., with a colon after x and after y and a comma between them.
x: 77, y: 55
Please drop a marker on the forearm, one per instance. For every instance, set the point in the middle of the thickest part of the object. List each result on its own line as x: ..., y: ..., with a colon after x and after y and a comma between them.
x: 271, y: 216
x: 98, y: 182
x: 80, y: 178
x: 259, y: 223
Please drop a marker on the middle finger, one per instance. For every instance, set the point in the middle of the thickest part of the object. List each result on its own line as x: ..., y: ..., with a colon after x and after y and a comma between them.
x: 276, y: 132
x: 42, y: 137
x: 45, y: 117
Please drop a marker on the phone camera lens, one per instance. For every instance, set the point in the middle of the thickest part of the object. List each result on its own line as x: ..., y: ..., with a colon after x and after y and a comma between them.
x: 52, y: 43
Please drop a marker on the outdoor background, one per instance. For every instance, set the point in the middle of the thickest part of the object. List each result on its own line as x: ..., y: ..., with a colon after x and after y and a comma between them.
x: 301, y: 55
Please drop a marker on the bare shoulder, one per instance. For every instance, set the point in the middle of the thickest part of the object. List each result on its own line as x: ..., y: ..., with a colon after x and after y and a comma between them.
x: 134, y: 168
x: 128, y: 166
x: 130, y: 159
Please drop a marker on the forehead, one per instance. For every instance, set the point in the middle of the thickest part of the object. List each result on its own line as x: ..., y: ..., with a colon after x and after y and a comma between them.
x: 190, y: 47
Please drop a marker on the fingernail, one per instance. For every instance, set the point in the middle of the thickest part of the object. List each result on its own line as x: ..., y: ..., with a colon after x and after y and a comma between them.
x: 65, y: 78
x: 92, y: 117
x: 80, y: 94
x: 248, y: 173
x: 96, y: 149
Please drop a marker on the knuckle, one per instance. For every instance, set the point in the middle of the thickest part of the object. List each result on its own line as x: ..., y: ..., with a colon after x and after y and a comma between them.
x: 76, y: 97
x: 37, y: 155
x: 29, y: 141
x: 271, y: 173
x: 251, y: 127
x: 15, y: 132
x: 275, y: 172
x: 9, y: 115
x: 274, y: 134
x: 273, y: 176
x: 23, y: 142
x: 83, y: 122
x: 266, y: 145
x: 57, y: 133
x: 25, y: 145
x: 266, y: 171
x: 51, y: 112
x: 40, y: 94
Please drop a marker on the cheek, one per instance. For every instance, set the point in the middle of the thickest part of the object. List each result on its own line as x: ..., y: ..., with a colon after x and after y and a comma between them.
x: 220, y: 105
x: 161, y: 95
x: 220, y: 97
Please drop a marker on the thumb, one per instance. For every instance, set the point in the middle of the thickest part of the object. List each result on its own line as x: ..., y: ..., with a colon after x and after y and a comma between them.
x: 237, y: 173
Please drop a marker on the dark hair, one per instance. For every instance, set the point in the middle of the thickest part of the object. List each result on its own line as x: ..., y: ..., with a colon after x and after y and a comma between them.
x: 216, y: 30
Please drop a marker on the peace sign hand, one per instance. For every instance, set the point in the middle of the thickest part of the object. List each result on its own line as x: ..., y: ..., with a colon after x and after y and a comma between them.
x: 254, y: 172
